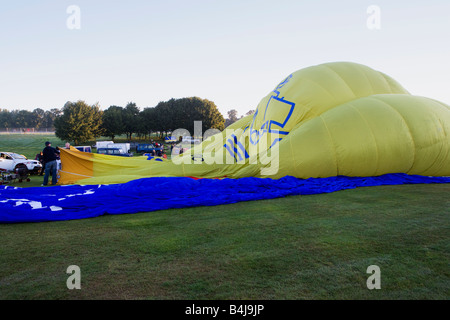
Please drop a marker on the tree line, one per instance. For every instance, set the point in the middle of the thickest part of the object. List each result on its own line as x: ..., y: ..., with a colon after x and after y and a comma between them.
x: 80, y: 122
x: 77, y: 122
x: 36, y: 119
x: 164, y: 118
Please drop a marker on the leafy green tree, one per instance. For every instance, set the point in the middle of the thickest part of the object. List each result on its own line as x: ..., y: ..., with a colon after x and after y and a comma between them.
x: 130, y: 119
x: 38, y: 118
x: 50, y: 116
x: 181, y: 113
x: 232, y: 117
x: 206, y: 111
x: 79, y: 122
x: 5, y: 119
x: 113, y: 124
x: 148, y: 121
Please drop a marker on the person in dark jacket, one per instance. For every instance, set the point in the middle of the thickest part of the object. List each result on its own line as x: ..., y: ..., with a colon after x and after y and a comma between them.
x: 40, y: 158
x: 50, y: 155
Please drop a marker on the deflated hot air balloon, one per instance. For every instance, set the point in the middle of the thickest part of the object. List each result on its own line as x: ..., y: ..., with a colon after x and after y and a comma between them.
x: 334, y: 119
x: 322, y: 129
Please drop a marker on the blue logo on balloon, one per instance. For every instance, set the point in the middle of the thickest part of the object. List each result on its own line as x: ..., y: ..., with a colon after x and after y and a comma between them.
x: 284, y: 108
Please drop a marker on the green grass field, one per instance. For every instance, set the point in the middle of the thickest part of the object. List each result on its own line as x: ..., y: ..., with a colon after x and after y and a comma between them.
x: 299, y: 247
x: 27, y: 144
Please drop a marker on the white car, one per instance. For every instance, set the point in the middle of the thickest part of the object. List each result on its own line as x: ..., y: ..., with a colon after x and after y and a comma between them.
x: 10, y: 161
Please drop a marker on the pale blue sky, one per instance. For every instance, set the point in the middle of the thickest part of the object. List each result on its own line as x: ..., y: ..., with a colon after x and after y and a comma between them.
x: 230, y: 52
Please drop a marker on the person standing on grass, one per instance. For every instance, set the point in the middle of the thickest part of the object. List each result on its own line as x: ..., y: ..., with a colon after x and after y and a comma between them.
x: 40, y: 158
x: 50, y: 155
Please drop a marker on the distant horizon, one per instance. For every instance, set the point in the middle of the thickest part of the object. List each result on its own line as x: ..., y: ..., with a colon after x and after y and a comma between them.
x: 230, y: 52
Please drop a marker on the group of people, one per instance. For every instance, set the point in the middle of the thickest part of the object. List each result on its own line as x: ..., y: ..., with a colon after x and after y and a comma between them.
x: 158, y: 150
x: 158, y: 153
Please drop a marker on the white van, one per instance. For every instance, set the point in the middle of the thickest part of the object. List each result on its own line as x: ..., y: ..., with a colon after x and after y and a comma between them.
x: 125, y: 147
x: 102, y: 144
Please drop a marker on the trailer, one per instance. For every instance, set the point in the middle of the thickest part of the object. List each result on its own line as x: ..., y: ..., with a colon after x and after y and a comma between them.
x: 125, y: 147
x: 102, y: 144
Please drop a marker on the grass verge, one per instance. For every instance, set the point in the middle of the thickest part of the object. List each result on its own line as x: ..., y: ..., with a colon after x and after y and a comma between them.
x: 299, y: 247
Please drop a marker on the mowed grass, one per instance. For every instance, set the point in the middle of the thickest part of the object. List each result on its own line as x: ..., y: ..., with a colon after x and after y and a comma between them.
x: 299, y: 247
x: 27, y: 144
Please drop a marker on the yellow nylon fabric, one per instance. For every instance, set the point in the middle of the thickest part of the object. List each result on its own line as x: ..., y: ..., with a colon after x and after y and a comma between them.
x: 75, y: 166
x: 337, y: 118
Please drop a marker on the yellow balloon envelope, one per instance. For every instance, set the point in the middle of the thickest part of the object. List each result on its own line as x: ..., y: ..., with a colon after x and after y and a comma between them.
x: 333, y: 119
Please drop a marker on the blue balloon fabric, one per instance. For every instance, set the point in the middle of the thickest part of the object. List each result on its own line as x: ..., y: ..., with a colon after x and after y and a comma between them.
x: 160, y: 193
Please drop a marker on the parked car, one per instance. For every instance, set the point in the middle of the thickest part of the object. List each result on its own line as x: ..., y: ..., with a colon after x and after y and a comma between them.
x: 114, y: 152
x: 146, y: 147
x: 10, y: 161
x: 170, y: 139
